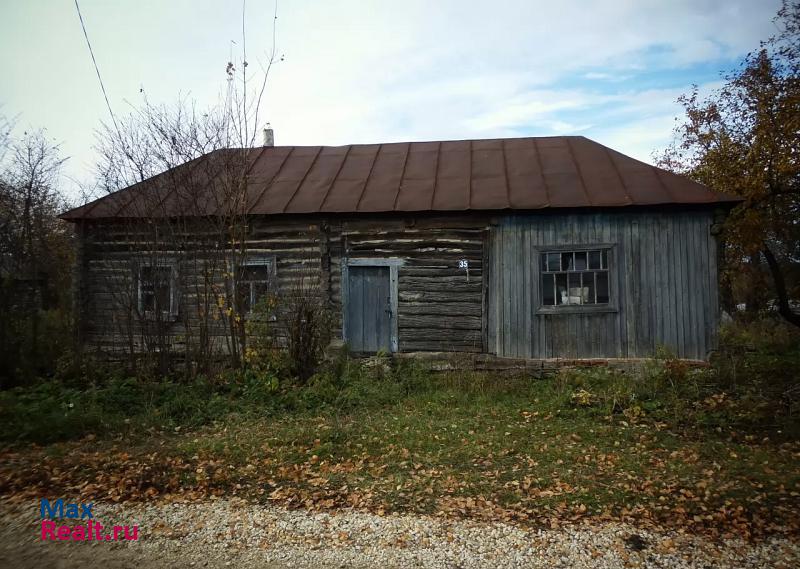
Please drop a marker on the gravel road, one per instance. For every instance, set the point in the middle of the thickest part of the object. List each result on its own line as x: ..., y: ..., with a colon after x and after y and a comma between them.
x: 234, y: 534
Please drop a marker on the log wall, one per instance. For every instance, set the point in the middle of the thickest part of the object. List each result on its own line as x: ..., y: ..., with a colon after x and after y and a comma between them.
x: 441, y: 305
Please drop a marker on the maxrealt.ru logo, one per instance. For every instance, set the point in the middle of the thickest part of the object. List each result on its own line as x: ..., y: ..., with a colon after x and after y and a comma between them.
x: 90, y: 531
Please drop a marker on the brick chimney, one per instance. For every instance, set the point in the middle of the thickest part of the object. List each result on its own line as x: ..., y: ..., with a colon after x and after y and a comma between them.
x: 269, y: 136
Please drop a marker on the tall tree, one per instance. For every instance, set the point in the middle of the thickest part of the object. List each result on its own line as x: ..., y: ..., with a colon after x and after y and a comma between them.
x: 196, y: 163
x: 745, y: 139
x: 35, y: 256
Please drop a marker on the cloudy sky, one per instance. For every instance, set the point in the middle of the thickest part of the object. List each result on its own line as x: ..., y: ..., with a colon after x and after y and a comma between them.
x: 374, y: 71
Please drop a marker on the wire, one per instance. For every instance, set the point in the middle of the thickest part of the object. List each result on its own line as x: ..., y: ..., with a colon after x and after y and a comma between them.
x: 97, y: 69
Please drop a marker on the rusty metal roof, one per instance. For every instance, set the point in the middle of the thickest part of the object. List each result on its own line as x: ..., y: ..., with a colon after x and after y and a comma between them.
x: 464, y: 175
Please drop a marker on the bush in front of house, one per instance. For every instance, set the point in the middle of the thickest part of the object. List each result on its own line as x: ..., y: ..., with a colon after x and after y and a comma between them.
x: 751, y: 390
x: 751, y: 385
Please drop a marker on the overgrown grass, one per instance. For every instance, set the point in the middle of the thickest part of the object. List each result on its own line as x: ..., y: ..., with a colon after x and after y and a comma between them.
x: 665, y: 442
x: 752, y: 386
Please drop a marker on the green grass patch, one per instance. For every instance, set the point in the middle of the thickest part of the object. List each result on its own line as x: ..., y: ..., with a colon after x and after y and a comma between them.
x: 702, y: 447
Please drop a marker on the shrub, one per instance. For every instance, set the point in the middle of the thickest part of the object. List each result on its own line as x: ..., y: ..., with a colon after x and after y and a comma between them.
x: 309, y: 322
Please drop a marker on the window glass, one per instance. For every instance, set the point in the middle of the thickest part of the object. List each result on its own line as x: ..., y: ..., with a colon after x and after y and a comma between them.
x: 549, y: 290
x: 575, y: 278
x: 254, y: 284
x: 155, y: 288
x: 561, y: 287
x: 594, y: 260
x: 602, y: 288
x: 553, y: 261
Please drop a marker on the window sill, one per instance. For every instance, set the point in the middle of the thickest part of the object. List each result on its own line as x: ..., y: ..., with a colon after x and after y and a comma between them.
x: 556, y: 310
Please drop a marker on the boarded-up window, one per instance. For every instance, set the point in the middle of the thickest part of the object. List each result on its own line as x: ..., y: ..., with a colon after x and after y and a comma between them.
x: 575, y: 278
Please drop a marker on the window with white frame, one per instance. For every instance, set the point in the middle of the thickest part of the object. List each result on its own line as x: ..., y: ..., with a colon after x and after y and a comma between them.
x: 254, y: 282
x: 575, y: 278
x: 156, y: 288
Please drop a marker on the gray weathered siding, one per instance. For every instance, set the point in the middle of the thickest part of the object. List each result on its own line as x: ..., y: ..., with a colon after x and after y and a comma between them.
x: 663, y: 276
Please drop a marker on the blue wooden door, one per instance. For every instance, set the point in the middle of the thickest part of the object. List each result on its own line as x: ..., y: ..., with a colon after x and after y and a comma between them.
x: 368, y: 324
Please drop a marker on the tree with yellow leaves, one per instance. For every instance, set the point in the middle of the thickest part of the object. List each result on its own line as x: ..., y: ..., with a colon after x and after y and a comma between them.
x: 745, y: 139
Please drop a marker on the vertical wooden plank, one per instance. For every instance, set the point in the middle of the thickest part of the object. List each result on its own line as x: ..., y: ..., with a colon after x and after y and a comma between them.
x: 485, y: 271
x: 345, y: 291
x: 494, y: 291
x: 394, y: 340
x: 530, y: 290
x: 368, y: 309
x: 509, y: 274
x: 660, y: 272
x: 630, y: 285
x: 700, y: 252
x: 385, y: 310
x: 693, y: 292
x: 701, y: 248
x: 670, y: 292
x: 517, y: 270
x: 680, y: 285
x: 689, y: 292
x: 540, y: 321
x: 502, y: 305
x: 647, y: 231
x: 505, y: 304
x: 513, y: 271
x: 713, y: 308
x: 355, y: 310
x: 618, y: 267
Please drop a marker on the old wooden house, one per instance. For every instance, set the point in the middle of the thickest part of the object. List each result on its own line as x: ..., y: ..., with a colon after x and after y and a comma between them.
x: 551, y: 247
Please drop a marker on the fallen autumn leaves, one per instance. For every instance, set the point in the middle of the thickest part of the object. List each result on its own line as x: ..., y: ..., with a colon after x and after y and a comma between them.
x: 533, y: 471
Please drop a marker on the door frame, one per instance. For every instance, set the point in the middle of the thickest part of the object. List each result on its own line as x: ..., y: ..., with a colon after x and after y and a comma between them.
x: 393, y: 264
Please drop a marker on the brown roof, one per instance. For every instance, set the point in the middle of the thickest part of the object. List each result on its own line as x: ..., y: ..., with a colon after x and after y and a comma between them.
x: 502, y: 174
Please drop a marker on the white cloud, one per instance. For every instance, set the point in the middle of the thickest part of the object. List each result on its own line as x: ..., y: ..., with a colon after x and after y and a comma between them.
x: 377, y: 71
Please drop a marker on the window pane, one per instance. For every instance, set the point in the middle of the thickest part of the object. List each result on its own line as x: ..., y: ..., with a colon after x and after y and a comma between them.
x: 602, y: 288
x: 575, y: 278
x: 162, y: 277
x: 576, y: 295
x: 588, y: 284
x: 148, y: 301
x: 566, y: 262
x: 548, y: 290
x: 253, y: 285
x: 146, y: 280
x: 255, y: 273
x: 594, y: 259
x: 553, y: 262
x: 162, y: 296
x: 156, y: 286
x: 561, y: 288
